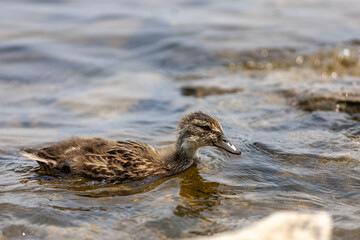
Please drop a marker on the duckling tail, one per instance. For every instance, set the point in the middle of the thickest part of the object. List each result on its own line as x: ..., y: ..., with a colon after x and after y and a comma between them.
x: 47, y: 164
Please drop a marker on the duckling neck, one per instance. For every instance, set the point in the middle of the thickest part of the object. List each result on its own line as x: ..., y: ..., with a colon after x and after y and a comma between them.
x: 186, y: 150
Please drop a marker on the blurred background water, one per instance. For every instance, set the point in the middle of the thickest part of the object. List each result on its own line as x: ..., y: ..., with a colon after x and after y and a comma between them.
x: 281, y: 76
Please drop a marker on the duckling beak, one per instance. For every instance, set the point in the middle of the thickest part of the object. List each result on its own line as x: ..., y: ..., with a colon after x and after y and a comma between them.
x: 225, y: 144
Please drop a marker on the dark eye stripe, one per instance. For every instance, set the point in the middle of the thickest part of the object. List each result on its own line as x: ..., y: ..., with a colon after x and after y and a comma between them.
x: 205, y: 127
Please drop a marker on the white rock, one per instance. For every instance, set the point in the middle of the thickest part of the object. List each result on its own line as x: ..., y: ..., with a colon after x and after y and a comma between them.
x: 283, y: 226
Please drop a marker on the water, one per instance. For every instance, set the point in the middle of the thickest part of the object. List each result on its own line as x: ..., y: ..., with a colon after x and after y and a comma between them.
x: 116, y: 70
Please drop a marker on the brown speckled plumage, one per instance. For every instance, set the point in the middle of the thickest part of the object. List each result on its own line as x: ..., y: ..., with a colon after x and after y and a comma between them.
x: 124, y: 161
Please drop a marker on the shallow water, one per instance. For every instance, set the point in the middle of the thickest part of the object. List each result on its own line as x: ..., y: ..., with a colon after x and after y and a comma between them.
x: 117, y: 70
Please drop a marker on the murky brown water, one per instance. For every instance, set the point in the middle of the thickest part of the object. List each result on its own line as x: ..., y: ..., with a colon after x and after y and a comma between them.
x: 283, y: 77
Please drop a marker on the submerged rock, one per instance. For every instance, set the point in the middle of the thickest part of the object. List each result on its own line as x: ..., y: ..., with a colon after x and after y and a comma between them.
x: 201, y: 91
x: 329, y: 102
x: 284, y: 226
x: 324, y: 101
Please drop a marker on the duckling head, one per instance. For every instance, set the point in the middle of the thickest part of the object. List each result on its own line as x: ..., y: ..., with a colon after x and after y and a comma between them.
x: 197, y: 130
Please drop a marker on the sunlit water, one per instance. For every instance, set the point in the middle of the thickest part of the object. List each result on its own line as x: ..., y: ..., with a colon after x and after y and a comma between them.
x: 115, y: 69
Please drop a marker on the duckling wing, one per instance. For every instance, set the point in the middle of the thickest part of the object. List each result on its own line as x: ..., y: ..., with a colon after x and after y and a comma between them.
x: 67, y: 153
x: 126, y: 161
x: 133, y: 146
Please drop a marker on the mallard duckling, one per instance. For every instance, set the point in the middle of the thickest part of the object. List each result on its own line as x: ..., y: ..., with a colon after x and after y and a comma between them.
x: 124, y: 161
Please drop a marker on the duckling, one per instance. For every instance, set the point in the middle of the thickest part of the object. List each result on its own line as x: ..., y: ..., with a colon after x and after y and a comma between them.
x: 125, y: 161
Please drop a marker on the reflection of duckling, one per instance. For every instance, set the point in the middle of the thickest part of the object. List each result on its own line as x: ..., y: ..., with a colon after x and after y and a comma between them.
x: 124, y: 161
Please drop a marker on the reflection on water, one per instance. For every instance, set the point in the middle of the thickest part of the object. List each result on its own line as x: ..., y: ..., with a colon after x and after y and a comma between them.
x: 282, y: 77
x: 197, y: 194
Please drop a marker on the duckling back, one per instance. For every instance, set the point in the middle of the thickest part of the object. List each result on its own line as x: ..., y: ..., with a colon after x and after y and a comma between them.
x: 98, y: 158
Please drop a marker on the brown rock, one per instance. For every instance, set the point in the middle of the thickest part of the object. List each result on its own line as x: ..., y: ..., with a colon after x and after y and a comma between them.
x: 201, y: 91
x: 329, y: 101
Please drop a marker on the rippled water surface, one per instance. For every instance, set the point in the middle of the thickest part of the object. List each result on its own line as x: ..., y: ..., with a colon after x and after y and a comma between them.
x: 282, y: 77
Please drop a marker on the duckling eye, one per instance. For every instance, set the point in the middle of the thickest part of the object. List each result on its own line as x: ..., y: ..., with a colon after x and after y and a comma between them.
x: 205, y: 127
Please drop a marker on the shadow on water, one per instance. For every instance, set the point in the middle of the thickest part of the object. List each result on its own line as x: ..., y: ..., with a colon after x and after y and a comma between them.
x: 84, y: 187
